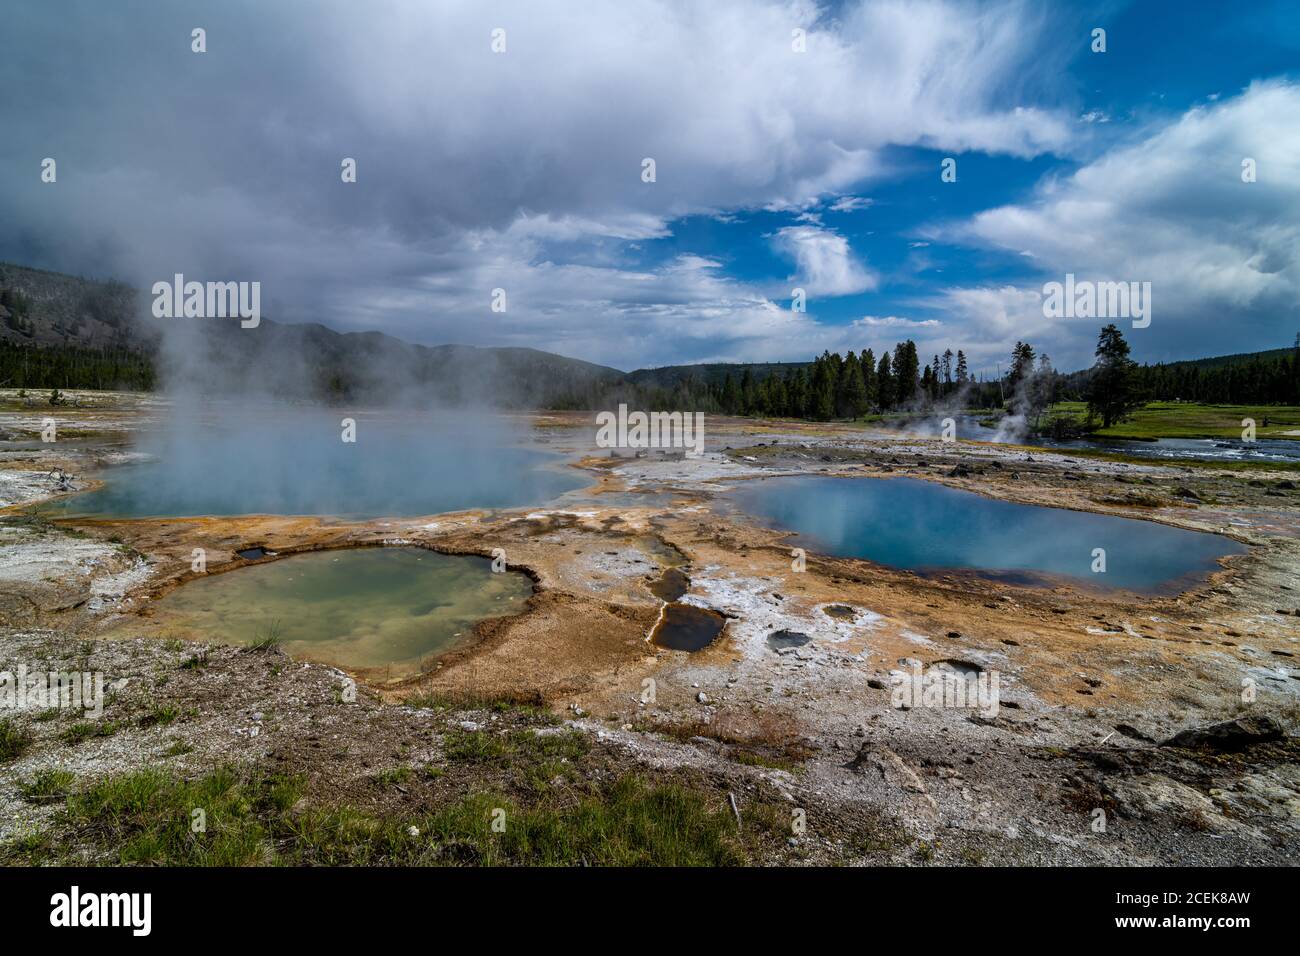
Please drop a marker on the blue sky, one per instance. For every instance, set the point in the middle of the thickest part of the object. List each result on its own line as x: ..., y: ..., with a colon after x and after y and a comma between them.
x: 775, y: 168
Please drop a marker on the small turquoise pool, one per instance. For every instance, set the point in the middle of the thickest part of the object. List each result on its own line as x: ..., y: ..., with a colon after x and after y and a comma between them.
x: 364, y: 608
x: 925, y: 527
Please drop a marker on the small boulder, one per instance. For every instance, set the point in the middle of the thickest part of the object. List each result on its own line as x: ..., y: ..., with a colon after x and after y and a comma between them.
x: 1231, y: 735
x: 1154, y: 795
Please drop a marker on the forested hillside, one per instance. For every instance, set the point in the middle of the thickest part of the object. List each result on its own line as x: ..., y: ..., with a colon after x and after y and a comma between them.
x: 59, y: 331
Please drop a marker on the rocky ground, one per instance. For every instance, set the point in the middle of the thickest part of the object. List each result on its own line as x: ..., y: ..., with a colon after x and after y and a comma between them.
x: 798, y: 750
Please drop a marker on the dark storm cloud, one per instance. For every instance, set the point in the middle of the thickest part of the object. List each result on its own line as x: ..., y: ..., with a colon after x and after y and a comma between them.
x: 472, y: 165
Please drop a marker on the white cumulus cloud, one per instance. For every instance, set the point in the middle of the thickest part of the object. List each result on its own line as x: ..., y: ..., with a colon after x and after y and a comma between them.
x: 1169, y: 208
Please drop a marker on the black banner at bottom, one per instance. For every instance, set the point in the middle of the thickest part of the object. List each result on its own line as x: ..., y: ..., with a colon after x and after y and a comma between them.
x: 336, y: 905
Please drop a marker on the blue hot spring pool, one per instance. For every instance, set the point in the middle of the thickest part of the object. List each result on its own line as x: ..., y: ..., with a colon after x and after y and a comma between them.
x: 298, y: 465
x: 925, y: 527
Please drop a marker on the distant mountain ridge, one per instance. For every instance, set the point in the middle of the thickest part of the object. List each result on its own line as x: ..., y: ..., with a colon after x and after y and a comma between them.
x: 87, y: 317
x: 106, y: 337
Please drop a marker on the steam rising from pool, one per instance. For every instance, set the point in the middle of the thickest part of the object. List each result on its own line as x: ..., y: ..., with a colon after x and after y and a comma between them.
x: 248, y: 458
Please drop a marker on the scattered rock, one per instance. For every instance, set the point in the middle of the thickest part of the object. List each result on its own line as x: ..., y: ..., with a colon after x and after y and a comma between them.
x: 1131, y: 732
x: 1231, y: 735
x: 1152, y: 795
x: 891, y: 766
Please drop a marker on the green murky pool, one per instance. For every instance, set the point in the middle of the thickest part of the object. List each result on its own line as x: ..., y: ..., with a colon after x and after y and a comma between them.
x: 365, y: 608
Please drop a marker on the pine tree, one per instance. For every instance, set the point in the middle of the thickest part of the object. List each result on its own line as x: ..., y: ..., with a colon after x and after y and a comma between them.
x: 885, y: 383
x: 1042, y: 388
x: 1022, y: 365
x: 907, y: 370
x: 1111, y: 392
x: 730, y: 396
x: 797, y: 394
x: 928, y: 383
x: 869, y: 381
x: 822, y: 399
x: 851, y: 395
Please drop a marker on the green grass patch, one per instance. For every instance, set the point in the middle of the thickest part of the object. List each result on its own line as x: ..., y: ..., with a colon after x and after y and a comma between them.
x: 85, y: 729
x: 751, y: 758
x: 478, y: 746
x: 14, y: 740
x: 443, y: 700
x: 268, y: 639
x: 1192, y: 420
x: 29, y: 848
x: 160, y: 715
x: 47, y: 786
x: 148, y: 817
x: 152, y: 817
x: 393, y: 777
x: 631, y: 823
